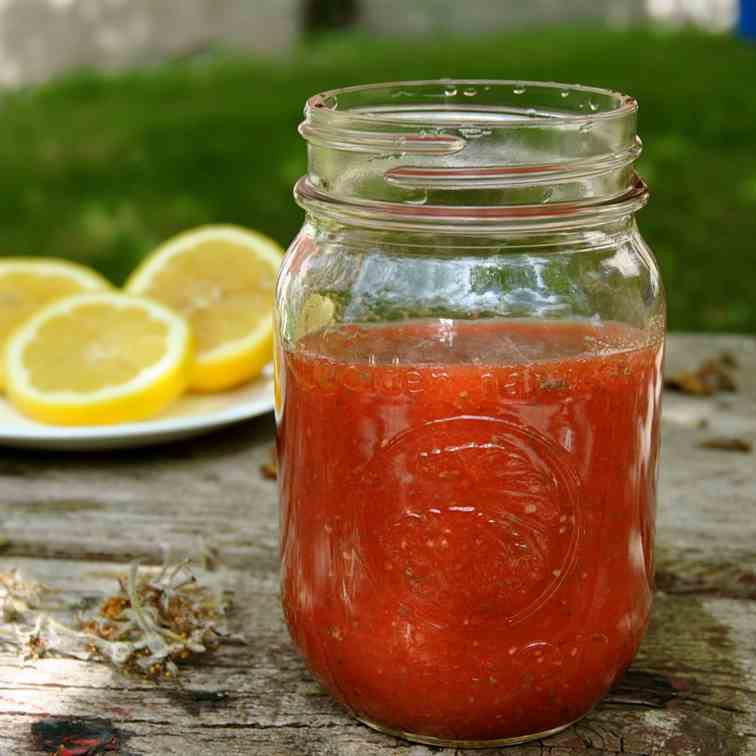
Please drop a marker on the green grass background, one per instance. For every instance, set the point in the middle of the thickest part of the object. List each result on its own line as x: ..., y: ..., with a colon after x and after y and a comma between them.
x: 101, y: 168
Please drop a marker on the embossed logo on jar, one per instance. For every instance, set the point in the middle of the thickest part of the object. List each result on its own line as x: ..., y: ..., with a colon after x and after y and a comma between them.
x: 484, y: 524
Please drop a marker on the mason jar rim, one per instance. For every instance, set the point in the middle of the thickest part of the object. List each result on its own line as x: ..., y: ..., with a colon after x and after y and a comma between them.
x: 471, y: 152
x: 326, y: 102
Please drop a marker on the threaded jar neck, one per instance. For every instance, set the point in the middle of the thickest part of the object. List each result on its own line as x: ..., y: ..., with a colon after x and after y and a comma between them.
x: 472, y: 155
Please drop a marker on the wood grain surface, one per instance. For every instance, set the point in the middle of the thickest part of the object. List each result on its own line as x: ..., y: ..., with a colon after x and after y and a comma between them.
x: 74, y: 521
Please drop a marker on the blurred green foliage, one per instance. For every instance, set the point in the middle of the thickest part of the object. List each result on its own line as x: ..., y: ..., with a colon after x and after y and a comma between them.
x: 101, y: 168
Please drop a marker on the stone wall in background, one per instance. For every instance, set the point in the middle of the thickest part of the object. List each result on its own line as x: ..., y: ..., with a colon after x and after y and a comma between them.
x: 39, y: 38
x: 390, y: 17
x: 394, y: 17
x: 716, y: 15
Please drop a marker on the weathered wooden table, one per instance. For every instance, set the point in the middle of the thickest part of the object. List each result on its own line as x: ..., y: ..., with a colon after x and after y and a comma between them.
x: 74, y: 521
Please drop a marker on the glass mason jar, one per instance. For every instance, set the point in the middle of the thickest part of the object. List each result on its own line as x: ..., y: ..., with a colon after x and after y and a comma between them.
x: 469, y: 343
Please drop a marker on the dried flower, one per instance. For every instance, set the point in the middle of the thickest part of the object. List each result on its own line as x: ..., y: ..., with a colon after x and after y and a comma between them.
x: 20, y: 623
x: 148, y: 626
x: 154, y: 623
x: 19, y: 596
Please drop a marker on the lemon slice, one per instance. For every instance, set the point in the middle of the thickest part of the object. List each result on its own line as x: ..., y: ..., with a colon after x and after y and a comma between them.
x: 28, y: 285
x: 95, y: 359
x: 222, y: 280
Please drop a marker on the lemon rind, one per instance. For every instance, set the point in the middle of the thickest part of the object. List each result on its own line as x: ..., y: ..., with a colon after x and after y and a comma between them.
x: 230, y: 368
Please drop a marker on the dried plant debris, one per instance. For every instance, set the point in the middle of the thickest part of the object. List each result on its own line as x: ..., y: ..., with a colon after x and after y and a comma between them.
x: 18, y: 596
x: 269, y: 470
x: 712, y: 376
x: 154, y: 623
x: 22, y: 603
x: 727, y: 443
x: 148, y: 627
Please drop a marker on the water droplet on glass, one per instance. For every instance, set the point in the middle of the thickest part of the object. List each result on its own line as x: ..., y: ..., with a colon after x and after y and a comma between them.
x: 547, y: 195
x: 487, y: 88
x: 450, y: 91
x: 531, y: 112
x: 519, y: 89
x: 593, y: 106
x: 564, y: 93
x: 470, y: 92
x: 585, y: 128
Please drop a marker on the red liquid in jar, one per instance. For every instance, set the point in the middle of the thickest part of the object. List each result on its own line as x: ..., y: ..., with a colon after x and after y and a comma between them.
x: 468, y: 518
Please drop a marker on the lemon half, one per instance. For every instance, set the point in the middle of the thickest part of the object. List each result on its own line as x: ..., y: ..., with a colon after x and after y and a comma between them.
x: 222, y: 280
x: 28, y: 285
x: 94, y: 359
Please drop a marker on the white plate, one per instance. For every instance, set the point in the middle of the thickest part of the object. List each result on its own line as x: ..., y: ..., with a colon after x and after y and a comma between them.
x: 189, y: 416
